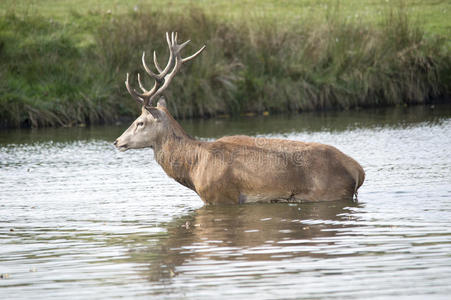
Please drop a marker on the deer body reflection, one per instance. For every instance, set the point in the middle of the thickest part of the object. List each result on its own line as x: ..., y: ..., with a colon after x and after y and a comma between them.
x: 235, y: 169
x: 247, y: 233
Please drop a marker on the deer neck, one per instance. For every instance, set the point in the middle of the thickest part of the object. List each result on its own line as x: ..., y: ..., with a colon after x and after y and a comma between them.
x: 177, y: 153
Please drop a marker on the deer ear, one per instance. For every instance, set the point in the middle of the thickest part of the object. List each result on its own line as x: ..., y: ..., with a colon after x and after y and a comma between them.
x: 156, y: 113
x: 162, y: 103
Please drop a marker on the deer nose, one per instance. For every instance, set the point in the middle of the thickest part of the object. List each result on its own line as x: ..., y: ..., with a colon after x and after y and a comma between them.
x: 115, y: 143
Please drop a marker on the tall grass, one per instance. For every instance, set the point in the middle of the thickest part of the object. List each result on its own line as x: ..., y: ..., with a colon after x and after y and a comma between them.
x: 55, y: 75
x: 46, y: 79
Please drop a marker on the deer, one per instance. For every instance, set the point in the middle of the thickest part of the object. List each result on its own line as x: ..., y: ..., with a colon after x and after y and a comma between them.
x: 234, y: 169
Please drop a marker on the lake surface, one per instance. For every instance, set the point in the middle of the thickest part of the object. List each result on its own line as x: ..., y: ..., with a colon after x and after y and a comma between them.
x: 79, y: 219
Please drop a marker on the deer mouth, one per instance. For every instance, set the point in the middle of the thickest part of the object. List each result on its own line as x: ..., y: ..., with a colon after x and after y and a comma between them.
x: 122, y: 148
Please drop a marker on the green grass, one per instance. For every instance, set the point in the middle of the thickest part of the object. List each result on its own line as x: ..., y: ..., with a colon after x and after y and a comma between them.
x: 433, y: 14
x: 63, y: 63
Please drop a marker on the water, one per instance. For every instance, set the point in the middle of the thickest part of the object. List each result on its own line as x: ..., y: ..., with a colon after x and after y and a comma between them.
x: 80, y: 220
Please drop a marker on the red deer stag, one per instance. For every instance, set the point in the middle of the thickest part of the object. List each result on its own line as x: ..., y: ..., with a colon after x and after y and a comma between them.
x: 235, y: 169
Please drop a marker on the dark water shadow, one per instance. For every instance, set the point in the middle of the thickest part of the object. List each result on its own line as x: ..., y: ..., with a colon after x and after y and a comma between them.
x: 331, y: 121
x: 257, y: 232
x: 335, y: 121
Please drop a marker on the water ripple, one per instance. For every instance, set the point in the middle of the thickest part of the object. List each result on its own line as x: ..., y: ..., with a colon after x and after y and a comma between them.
x: 81, y: 220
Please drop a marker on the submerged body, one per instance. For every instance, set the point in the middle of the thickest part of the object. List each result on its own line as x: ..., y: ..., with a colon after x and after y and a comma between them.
x: 242, y: 169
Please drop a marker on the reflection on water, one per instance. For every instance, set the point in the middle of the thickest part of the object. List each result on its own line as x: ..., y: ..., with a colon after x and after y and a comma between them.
x: 80, y: 220
x: 249, y: 233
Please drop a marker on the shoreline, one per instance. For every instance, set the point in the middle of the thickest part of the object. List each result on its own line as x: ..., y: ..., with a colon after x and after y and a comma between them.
x: 66, y: 74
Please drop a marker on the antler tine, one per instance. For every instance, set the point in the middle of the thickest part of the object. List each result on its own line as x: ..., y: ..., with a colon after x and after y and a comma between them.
x: 181, y: 46
x: 155, y: 61
x: 141, y: 85
x: 171, y: 59
x: 132, y: 92
x: 194, y: 55
x: 173, y: 38
x: 148, y: 70
x: 168, y: 40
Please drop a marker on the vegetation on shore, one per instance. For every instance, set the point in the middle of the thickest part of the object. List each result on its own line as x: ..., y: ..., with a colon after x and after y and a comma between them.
x: 70, y: 71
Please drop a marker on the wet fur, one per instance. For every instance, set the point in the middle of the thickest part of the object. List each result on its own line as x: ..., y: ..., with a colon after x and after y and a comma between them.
x: 242, y: 169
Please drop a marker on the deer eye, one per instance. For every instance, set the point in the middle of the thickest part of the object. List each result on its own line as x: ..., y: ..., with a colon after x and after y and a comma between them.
x: 140, y: 124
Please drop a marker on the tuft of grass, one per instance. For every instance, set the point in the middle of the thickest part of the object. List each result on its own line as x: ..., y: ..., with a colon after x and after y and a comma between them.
x: 55, y: 73
x: 260, y: 65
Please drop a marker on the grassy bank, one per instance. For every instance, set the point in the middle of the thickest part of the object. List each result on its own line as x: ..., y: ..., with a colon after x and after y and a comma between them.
x: 67, y: 67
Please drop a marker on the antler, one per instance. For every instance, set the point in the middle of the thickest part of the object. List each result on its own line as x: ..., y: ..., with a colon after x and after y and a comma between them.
x: 164, y: 76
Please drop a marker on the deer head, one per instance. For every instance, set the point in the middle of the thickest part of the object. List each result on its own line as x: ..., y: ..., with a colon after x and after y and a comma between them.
x: 155, y: 121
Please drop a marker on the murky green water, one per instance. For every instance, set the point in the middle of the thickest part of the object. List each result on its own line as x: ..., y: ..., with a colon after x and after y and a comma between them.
x: 80, y: 220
